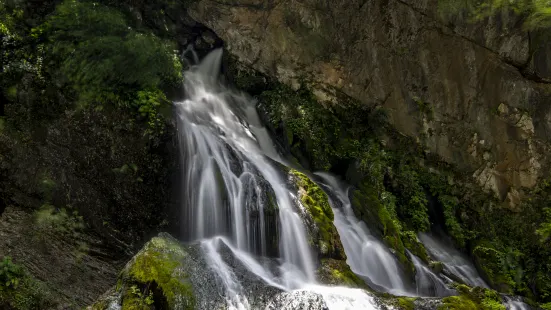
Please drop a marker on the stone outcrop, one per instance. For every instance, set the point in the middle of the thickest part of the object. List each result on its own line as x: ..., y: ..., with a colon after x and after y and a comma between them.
x: 475, y: 94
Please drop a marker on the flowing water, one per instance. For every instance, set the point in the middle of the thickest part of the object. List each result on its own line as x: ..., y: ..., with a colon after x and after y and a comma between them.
x: 429, y: 283
x: 229, y: 184
x: 514, y: 303
x: 370, y: 258
x: 455, y: 263
x: 367, y: 256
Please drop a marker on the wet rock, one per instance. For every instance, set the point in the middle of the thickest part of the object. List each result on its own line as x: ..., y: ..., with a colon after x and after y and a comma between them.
x: 297, y: 300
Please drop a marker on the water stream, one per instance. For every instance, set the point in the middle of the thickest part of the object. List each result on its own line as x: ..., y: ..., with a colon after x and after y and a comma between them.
x: 455, y: 263
x: 367, y: 256
x: 229, y: 183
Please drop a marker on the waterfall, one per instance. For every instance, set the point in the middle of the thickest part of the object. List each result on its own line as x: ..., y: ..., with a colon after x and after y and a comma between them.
x: 454, y: 262
x: 225, y: 170
x: 515, y: 303
x: 229, y: 188
x: 367, y: 256
x: 427, y: 282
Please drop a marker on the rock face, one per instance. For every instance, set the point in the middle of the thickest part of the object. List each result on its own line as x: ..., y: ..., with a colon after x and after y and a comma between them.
x: 69, y: 270
x: 475, y: 94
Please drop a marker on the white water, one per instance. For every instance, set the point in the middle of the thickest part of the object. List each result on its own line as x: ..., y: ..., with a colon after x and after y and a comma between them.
x: 427, y: 282
x: 235, y: 298
x: 455, y: 261
x: 514, y: 303
x: 227, y: 178
x: 367, y: 256
x: 222, y: 201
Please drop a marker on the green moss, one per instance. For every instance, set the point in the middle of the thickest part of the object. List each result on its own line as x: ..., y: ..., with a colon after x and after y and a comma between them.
x: 412, y: 243
x: 473, y: 299
x: 405, y: 303
x: 316, y: 202
x: 337, y: 272
x: 437, y: 267
x: 158, y: 265
x: 378, y: 212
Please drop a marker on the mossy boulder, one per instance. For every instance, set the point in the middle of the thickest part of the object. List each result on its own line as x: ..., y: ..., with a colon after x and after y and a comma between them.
x: 154, y: 277
x: 323, y: 234
x: 337, y: 272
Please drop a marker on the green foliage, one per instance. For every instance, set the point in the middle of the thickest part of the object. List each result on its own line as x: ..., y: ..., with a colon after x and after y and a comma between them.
x: 61, y: 220
x: 537, y: 12
x: 93, y: 50
x: 20, y: 291
x: 472, y: 298
x: 10, y: 274
x: 106, y: 54
x: 545, y: 228
x: 413, y: 204
x: 135, y: 299
x: 324, y: 134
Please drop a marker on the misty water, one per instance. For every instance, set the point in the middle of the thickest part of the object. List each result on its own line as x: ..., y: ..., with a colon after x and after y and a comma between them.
x: 232, y: 179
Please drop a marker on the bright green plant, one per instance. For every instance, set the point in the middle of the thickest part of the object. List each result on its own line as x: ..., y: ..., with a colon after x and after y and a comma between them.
x: 10, y: 274
x: 93, y: 49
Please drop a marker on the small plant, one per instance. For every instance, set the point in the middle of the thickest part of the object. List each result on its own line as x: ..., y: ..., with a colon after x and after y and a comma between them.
x: 61, y: 220
x: 139, y: 299
x: 10, y: 274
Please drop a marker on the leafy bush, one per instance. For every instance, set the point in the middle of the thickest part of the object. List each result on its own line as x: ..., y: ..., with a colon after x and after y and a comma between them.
x: 10, y: 274
x: 92, y: 49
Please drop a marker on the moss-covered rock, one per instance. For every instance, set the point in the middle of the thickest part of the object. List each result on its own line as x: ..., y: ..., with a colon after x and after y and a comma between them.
x: 472, y: 299
x: 324, y: 235
x: 155, y: 277
x: 156, y: 271
x: 337, y: 272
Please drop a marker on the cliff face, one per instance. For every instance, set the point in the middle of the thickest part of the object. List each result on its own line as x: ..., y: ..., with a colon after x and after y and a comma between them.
x: 475, y: 94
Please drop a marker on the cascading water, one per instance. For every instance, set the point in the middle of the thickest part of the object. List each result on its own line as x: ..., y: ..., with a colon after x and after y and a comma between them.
x: 514, y: 303
x: 224, y: 165
x: 229, y: 184
x: 454, y: 262
x: 367, y: 256
x: 427, y: 282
